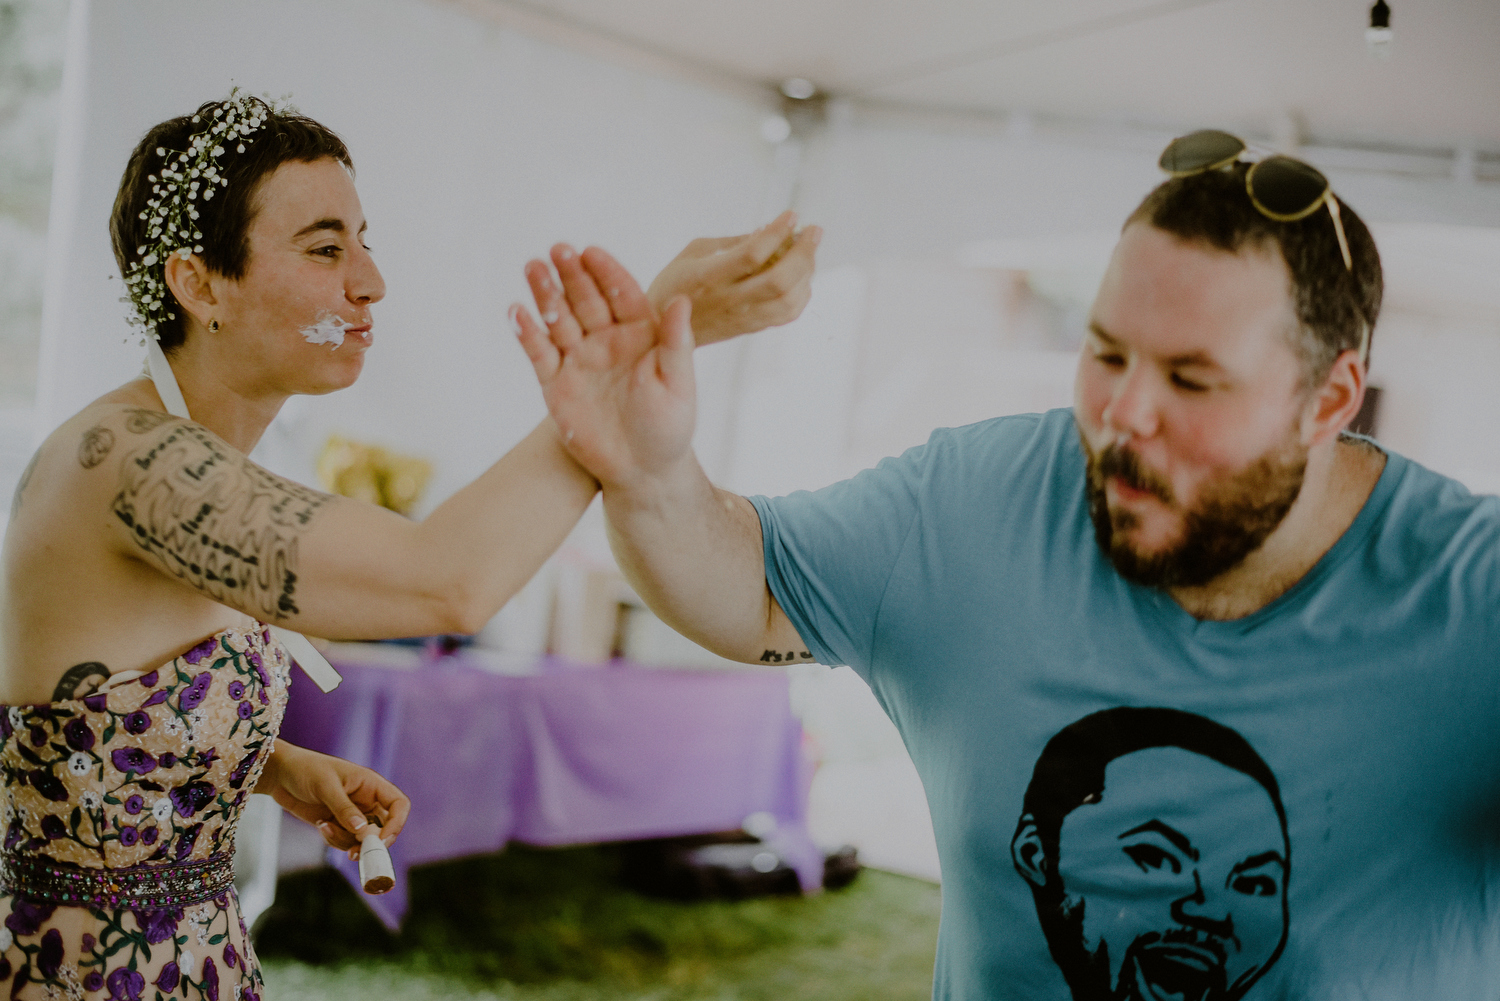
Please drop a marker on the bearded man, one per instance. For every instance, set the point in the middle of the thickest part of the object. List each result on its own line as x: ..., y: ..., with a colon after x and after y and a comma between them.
x: 1199, y: 534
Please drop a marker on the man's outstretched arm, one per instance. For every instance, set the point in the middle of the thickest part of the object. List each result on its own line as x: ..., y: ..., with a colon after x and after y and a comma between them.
x: 620, y: 385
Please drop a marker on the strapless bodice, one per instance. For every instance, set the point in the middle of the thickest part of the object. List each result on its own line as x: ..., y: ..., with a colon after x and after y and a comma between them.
x: 154, y: 770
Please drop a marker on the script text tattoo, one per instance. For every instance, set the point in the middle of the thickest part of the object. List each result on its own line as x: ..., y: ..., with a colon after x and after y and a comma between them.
x: 216, y: 520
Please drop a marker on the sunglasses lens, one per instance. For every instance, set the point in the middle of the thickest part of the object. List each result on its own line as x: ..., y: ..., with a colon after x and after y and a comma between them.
x: 1286, y: 189
x: 1200, y: 151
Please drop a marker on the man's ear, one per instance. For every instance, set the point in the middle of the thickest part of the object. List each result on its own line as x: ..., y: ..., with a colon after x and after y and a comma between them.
x: 190, y: 281
x: 1027, y: 853
x: 1335, y: 404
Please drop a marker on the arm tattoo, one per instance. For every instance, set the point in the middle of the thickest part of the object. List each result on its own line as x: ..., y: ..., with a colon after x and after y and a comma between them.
x: 80, y: 680
x: 790, y: 657
x: 216, y: 520
x: 15, y: 502
x: 97, y: 441
x: 140, y: 421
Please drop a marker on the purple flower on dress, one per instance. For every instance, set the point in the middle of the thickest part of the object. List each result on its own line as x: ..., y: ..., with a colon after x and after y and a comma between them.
x: 230, y: 956
x: 27, y: 915
x: 167, y: 978
x: 133, y: 759
x: 202, y: 650
x: 78, y: 735
x: 52, y: 827
x: 157, y: 698
x: 246, y: 710
x: 264, y: 699
x: 96, y: 703
x: 237, y: 777
x: 187, y: 840
x: 88, y: 946
x: 191, y: 797
x: 38, y: 736
x: 149, y: 835
x: 49, y: 786
x: 129, y: 836
x: 167, y: 760
x: 138, y: 722
x: 158, y: 926
x: 149, y: 680
x: 208, y: 757
x: 125, y: 984
x: 236, y: 689
x: 50, y: 956
x: 194, y: 695
x: 94, y: 981
x: 134, y: 804
x: 5, y: 727
x: 254, y: 658
x: 13, y: 835
x: 210, y: 979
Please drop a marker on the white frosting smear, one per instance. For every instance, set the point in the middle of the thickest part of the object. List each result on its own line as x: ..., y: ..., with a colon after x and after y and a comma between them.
x: 328, y: 330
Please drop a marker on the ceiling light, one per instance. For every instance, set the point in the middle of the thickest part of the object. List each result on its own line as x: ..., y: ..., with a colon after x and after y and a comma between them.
x: 799, y: 89
x: 1378, y: 36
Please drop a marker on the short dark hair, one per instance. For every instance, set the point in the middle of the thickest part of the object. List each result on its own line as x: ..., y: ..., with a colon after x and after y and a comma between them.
x: 1070, y: 771
x: 1335, y: 305
x: 224, y: 221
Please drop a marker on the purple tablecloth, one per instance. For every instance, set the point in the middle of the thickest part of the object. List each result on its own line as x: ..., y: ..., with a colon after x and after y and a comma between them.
x: 569, y: 755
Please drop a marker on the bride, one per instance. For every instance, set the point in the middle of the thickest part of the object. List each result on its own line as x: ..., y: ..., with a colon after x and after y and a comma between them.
x: 146, y: 557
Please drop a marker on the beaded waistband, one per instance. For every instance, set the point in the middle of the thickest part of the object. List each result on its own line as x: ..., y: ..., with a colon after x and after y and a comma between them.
x: 136, y: 887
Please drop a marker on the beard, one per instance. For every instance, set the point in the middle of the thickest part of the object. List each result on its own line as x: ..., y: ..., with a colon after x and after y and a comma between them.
x: 1232, y: 518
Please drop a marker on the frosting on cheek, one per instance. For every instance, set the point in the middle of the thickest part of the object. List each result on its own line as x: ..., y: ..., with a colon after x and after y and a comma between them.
x: 328, y: 330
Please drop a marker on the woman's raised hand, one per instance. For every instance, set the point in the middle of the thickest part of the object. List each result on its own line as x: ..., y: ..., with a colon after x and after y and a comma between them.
x: 741, y: 284
x: 617, y: 379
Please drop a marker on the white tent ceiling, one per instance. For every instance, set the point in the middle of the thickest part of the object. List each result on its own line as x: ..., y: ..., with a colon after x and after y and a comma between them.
x: 1261, y: 66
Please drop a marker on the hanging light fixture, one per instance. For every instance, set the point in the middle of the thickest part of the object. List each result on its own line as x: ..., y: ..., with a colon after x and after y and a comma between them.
x: 1378, y: 36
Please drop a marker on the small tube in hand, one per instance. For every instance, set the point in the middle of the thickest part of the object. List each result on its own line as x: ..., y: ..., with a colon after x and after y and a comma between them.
x: 376, y: 873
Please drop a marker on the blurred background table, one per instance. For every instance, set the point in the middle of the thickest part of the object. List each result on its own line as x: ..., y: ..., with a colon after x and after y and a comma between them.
x: 551, y: 753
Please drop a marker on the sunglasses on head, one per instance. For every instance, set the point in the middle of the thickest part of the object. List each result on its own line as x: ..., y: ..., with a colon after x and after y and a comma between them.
x: 1280, y: 187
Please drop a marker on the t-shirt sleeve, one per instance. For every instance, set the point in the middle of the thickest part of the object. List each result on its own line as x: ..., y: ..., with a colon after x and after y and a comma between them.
x: 830, y: 553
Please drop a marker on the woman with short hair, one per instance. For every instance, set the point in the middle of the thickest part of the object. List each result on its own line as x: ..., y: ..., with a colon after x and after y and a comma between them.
x: 146, y: 558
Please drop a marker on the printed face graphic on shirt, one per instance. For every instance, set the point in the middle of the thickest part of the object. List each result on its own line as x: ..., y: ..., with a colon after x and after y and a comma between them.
x: 1168, y: 879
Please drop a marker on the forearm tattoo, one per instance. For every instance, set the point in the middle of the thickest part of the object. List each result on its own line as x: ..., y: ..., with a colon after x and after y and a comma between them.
x: 80, y: 680
x: 215, y: 519
x: 790, y: 657
x: 96, y: 445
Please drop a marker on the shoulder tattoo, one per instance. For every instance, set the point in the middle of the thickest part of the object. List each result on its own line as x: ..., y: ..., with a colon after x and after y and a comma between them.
x: 139, y: 421
x: 216, y: 520
x: 80, y: 680
x: 15, y: 501
x: 95, y: 446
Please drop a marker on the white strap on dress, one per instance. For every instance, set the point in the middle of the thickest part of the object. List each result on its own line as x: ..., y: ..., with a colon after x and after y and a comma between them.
x: 313, y: 663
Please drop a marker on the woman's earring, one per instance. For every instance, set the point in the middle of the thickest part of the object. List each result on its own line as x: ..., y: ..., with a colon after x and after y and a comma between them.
x: 213, y: 326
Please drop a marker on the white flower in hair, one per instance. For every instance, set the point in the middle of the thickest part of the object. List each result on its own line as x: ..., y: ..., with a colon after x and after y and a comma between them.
x: 184, y: 175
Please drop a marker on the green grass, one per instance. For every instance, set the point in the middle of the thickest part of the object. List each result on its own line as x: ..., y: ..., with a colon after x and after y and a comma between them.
x: 555, y: 925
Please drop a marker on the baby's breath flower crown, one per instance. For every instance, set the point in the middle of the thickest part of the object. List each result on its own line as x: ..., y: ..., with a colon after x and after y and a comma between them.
x: 171, y: 215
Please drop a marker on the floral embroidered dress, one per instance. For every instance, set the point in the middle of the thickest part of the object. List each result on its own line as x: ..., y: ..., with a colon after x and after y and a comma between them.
x: 119, y: 810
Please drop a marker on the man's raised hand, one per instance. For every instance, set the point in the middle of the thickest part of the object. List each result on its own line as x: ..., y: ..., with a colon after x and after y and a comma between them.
x: 618, y: 380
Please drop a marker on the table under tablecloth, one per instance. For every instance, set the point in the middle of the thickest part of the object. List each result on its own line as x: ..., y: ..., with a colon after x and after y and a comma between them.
x: 565, y: 755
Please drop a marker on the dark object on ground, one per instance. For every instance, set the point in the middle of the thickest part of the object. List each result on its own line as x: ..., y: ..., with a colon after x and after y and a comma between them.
x: 731, y: 866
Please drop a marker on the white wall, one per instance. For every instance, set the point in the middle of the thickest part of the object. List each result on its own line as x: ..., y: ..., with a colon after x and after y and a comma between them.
x: 476, y: 148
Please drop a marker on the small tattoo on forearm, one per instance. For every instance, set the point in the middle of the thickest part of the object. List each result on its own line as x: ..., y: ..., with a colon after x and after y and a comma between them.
x: 141, y: 421
x: 80, y: 680
x: 96, y: 445
x: 790, y: 657
x: 216, y: 520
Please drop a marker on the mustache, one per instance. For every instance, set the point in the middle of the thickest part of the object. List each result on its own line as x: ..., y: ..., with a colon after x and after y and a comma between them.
x: 1116, y: 462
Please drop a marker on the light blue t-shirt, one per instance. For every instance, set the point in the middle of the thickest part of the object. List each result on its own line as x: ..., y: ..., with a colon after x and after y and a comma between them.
x: 1133, y: 803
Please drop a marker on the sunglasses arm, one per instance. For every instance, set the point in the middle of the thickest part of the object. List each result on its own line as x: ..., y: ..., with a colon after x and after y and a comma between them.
x: 1338, y: 228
